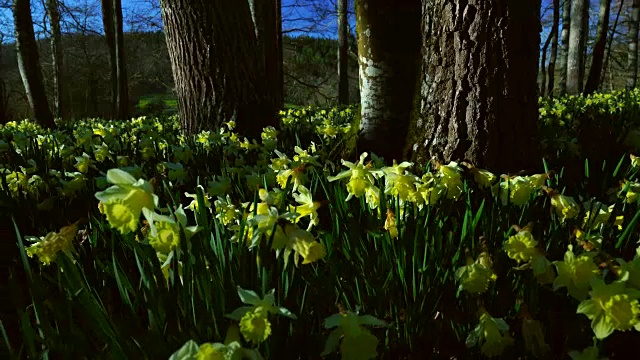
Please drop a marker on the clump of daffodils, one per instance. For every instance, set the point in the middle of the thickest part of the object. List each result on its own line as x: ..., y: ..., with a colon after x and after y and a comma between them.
x: 357, y: 341
x: 254, y: 321
x: 123, y: 202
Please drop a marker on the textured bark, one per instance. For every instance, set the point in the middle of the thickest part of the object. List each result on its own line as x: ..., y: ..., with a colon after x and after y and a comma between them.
x: 479, y: 100
x: 632, y: 61
x: 577, y: 46
x: 29, y: 63
x: 218, y: 74
x: 343, y: 53
x: 564, y: 50
x: 593, y: 82
x: 266, y: 16
x: 57, y: 57
x: 112, y: 21
x: 107, y: 24
x: 554, y: 48
x: 389, y: 57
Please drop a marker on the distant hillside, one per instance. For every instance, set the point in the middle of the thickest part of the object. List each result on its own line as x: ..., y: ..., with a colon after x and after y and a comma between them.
x: 310, y: 74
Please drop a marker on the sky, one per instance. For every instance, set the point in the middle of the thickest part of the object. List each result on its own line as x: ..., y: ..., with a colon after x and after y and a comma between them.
x: 315, y: 18
x: 300, y: 17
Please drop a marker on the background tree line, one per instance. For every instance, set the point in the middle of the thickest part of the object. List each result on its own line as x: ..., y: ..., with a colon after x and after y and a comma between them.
x: 452, y: 80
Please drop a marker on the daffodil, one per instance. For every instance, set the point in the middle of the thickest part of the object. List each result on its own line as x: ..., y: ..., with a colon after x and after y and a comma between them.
x: 517, y: 190
x: 450, y: 177
x: 575, y: 272
x: 521, y: 246
x: 611, y: 307
x: 165, y: 231
x: 565, y: 206
x: 357, y: 341
x: 361, y: 177
x: 254, y: 322
x: 306, y: 206
x: 598, y: 214
x: 476, y: 276
x: 391, y: 224
x: 48, y: 247
x: 492, y: 334
x: 123, y: 202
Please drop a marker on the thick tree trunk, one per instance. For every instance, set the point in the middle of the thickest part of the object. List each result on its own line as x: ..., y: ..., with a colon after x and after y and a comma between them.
x: 479, y: 100
x: 279, y: 67
x: 564, y: 39
x: 57, y: 57
x: 29, y: 63
x: 554, y: 48
x: 632, y: 62
x: 389, y: 57
x: 577, y: 46
x: 343, y: 50
x: 217, y: 71
x: 107, y: 23
x: 593, y: 82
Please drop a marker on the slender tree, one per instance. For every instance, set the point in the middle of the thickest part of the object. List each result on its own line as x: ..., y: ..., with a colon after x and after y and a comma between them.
x: 632, y: 61
x: 564, y: 39
x: 479, y: 100
x: 554, y: 48
x: 57, y: 57
x: 388, y: 72
x: 343, y: 51
x: 218, y: 73
x: 114, y: 34
x: 597, y: 59
x: 577, y: 46
x: 29, y: 63
x: 543, y: 62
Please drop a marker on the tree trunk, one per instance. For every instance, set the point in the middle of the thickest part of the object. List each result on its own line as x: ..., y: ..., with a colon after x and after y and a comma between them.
x: 593, y: 82
x: 57, y: 57
x: 577, y: 46
x: 632, y: 63
x: 107, y: 22
x: 217, y: 71
x: 122, y: 97
x: 112, y: 21
x: 265, y: 15
x: 389, y: 56
x: 479, y: 100
x: 29, y: 63
x: 564, y: 39
x: 343, y: 50
x: 554, y: 48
